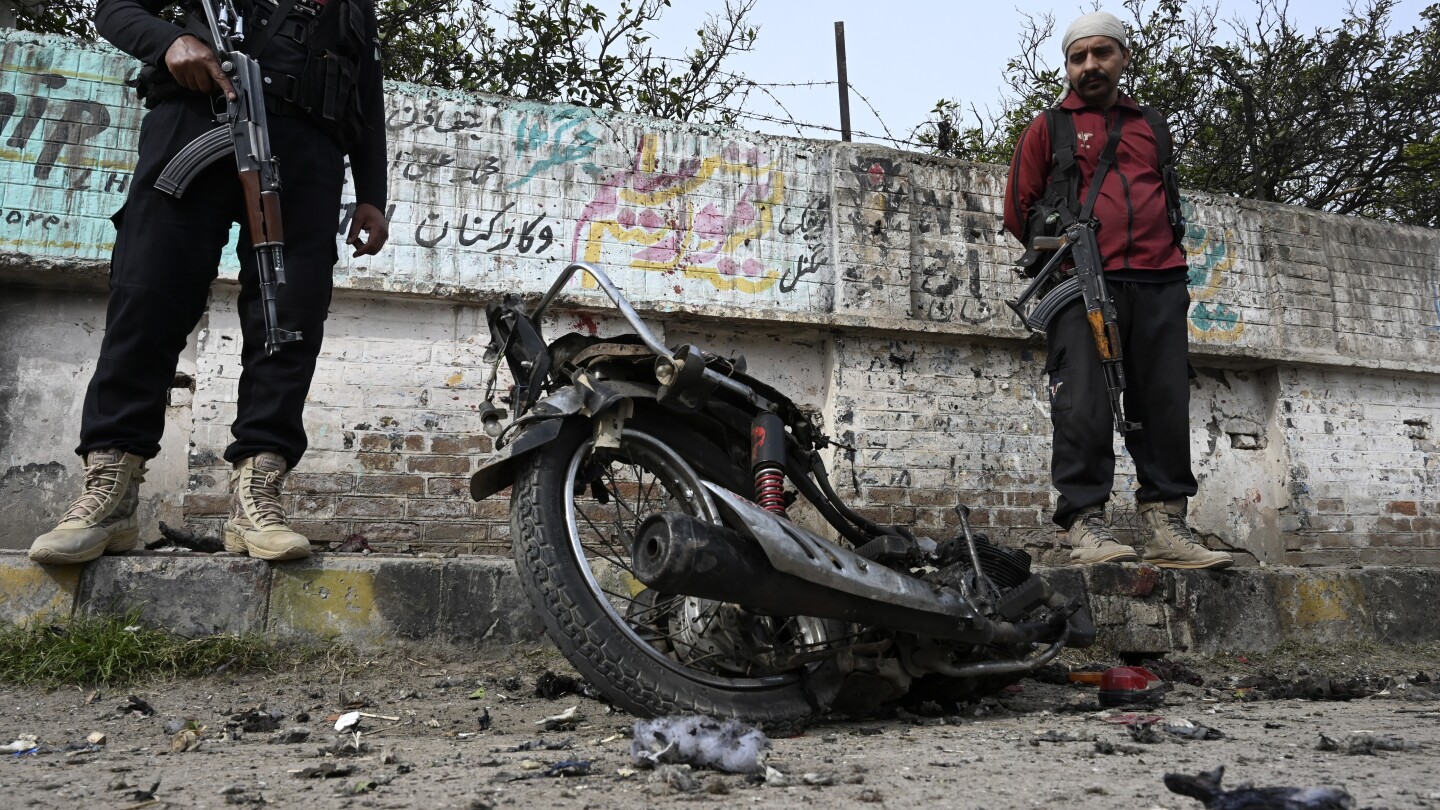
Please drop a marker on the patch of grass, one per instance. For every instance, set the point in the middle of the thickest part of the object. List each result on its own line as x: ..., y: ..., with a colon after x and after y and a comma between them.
x: 117, y: 650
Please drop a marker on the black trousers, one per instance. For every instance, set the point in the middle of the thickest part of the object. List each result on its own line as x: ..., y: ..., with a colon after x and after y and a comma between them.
x: 167, y: 253
x: 1157, y: 394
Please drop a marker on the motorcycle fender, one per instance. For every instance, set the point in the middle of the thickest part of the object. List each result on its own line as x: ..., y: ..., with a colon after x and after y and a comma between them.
x: 499, y: 472
x: 536, y: 429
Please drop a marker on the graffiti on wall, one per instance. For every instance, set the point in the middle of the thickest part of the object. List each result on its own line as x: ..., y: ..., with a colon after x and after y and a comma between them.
x: 555, y: 138
x: 49, y: 130
x: 880, y: 189
x: 1210, y: 253
x: 812, y: 225
x: 56, y: 132
x: 703, y: 220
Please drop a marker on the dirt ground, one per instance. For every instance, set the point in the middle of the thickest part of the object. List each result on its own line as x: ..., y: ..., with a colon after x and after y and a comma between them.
x: 423, y: 742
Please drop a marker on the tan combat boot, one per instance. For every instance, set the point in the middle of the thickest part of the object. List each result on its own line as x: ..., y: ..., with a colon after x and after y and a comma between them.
x: 1092, y: 542
x: 257, y: 524
x: 1172, y: 544
x: 102, y: 520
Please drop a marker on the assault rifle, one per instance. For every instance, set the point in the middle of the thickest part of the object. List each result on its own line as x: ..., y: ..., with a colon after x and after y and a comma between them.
x: 244, y: 132
x: 1086, y: 282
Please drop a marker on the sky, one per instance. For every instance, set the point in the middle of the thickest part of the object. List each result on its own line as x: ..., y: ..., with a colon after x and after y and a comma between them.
x: 904, y: 55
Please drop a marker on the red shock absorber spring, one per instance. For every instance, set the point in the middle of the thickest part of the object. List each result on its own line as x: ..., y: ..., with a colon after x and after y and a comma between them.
x: 770, y: 489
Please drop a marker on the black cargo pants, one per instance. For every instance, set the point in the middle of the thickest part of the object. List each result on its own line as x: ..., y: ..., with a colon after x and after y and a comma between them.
x: 1157, y: 394
x: 166, y: 255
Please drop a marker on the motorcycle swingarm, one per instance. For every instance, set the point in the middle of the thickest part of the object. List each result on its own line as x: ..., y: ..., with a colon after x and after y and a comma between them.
x: 799, y: 553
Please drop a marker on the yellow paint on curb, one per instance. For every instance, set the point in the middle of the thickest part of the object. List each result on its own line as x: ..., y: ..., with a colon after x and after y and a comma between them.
x: 325, y: 603
x: 1317, y: 600
x: 38, y: 594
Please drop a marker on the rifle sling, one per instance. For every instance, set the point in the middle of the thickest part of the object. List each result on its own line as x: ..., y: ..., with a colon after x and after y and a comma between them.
x: 1107, y: 158
x: 273, y: 24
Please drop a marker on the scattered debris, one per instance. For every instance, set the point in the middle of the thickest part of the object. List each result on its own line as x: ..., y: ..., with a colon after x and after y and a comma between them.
x: 818, y: 779
x: 564, y: 721
x: 292, y: 735
x: 256, y: 720
x: 1133, y: 719
x: 1367, y: 744
x: 187, y: 739
x: 703, y: 742
x: 1057, y: 737
x: 347, y: 745
x: 1192, y: 731
x: 478, y: 694
x: 145, y: 796
x: 484, y: 720
x: 1173, y: 672
x: 325, y: 770
x: 136, y: 706
x: 1108, y: 748
x: 23, y: 744
x: 171, y: 537
x: 96, y: 738
x: 540, y: 745
x: 1145, y: 733
x: 1205, y: 787
x: 1130, y: 686
x: 354, y: 544
x: 551, y: 685
x: 570, y: 767
x: 347, y: 722
x: 1282, y: 686
x: 673, y: 779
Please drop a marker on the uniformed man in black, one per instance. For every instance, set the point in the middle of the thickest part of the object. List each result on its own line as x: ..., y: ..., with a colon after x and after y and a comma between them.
x: 324, y: 102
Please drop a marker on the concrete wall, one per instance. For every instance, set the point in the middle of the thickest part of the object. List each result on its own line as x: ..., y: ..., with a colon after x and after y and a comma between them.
x: 867, y: 282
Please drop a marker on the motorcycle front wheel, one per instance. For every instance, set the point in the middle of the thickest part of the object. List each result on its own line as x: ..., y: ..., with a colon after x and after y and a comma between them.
x: 574, y: 511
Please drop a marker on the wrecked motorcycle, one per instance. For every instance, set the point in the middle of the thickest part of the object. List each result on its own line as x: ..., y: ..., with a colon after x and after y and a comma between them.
x: 650, y: 492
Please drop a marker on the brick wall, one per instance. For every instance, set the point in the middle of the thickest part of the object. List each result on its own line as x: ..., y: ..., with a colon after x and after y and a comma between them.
x: 866, y: 282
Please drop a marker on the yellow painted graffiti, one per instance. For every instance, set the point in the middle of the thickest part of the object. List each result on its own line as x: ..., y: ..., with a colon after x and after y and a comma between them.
x: 84, y: 76
x: 47, y: 243
x: 1209, y: 256
x: 653, y: 212
x: 19, y: 156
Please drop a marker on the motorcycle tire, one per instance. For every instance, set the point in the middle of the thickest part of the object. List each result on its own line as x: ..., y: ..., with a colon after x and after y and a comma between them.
x: 648, y: 652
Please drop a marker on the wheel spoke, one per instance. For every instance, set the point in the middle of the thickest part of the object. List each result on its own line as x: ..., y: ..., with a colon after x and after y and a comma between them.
x: 698, y: 637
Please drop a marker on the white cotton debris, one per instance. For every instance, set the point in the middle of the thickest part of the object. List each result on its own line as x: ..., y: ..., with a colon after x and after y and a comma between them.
x: 347, y: 721
x: 701, y: 742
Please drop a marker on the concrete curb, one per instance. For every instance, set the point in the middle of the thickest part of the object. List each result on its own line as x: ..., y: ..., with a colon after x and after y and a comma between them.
x: 358, y: 599
x: 478, y: 600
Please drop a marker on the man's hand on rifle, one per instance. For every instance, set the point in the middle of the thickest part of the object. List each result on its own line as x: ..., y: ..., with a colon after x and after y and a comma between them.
x: 377, y: 231
x: 194, y: 66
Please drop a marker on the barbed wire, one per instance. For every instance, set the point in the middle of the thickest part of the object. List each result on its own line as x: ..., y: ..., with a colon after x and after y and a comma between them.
x: 745, y: 83
x: 799, y: 125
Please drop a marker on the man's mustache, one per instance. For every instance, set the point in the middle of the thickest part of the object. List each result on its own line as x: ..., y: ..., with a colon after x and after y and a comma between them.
x: 1094, y: 75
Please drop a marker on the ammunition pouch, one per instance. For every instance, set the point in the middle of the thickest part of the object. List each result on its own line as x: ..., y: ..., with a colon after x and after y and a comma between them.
x: 1048, y: 217
x: 327, y: 89
x: 1172, y: 202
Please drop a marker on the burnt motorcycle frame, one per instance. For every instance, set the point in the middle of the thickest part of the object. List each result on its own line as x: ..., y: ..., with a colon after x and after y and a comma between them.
x: 715, y: 563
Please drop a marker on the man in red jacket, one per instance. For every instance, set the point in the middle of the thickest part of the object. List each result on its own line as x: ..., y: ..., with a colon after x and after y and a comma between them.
x: 1146, y: 273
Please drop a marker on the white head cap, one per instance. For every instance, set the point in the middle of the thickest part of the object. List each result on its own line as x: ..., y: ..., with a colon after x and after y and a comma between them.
x: 1095, y: 24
